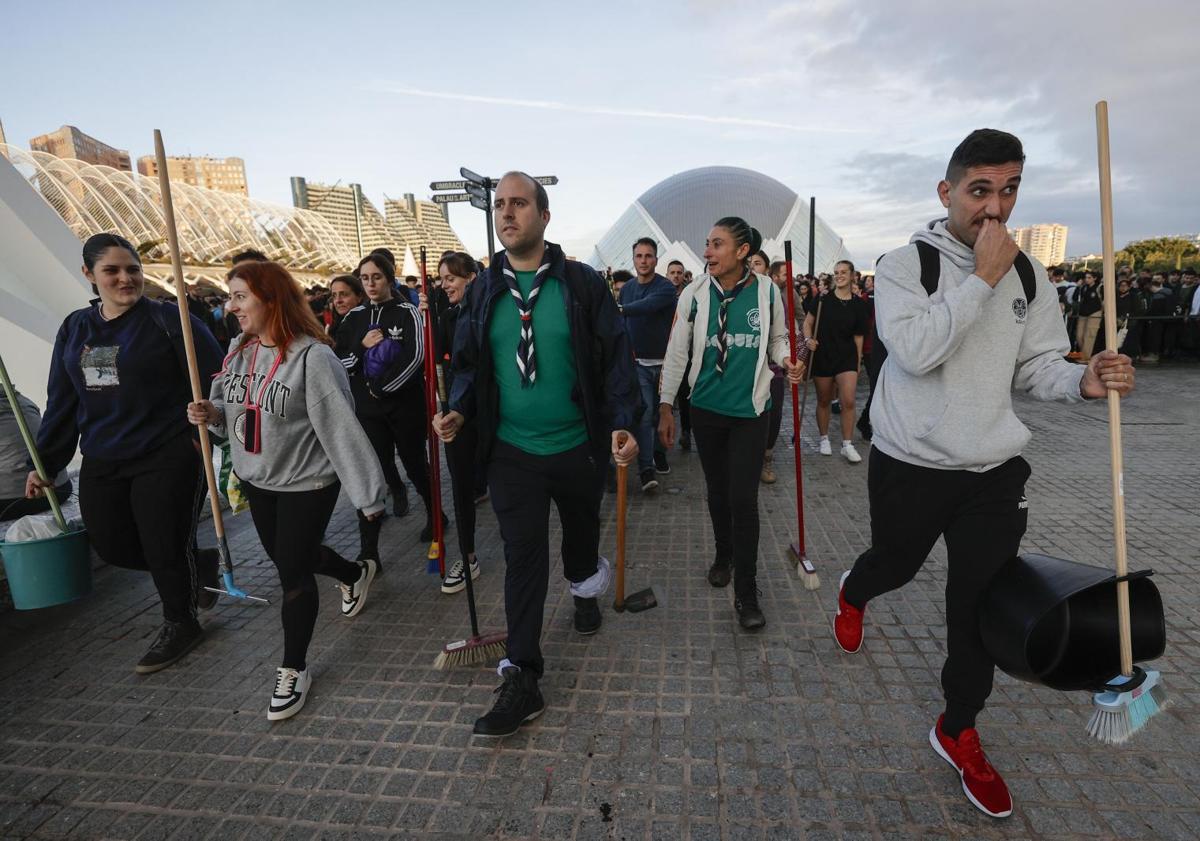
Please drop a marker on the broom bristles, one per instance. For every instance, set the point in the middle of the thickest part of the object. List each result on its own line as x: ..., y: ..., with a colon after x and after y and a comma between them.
x: 1119, y: 715
x: 473, y: 652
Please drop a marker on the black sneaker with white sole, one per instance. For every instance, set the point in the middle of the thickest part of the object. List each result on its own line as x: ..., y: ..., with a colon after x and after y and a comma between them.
x: 174, y: 640
x: 354, y: 596
x: 290, y: 693
x: 455, y: 580
x: 518, y: 701
x: 661, y: 467
x: 649, y: 483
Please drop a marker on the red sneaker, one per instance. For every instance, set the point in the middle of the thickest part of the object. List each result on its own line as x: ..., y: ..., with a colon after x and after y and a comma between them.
x: 848, y: 623
x: 980, y: 781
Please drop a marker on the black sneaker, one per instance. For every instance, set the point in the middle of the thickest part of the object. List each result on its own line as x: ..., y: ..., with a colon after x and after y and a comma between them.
x: 649, y: 483
x: 289, y: 694
x: 718, y: 574
x: 175, y: 639
x: 660, y: 464
x: 587, y: 616
x: 427, y: 532
x: 354, y: 596
x: 519, y: 701
x: 685, y: 441
x: 208, y: 574
x: 749, y: 615
x: 400, y: 500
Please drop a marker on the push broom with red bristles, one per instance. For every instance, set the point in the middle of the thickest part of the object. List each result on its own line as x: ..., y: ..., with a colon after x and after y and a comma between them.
x: 797, y: 554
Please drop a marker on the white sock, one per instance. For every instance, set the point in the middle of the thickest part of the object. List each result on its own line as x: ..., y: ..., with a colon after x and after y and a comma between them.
x: 824, y: 437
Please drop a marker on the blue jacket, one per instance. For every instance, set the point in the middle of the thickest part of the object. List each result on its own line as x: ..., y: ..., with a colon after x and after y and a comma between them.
x: 649, y: 311
x: 608, y: 388
x: 120, y: 388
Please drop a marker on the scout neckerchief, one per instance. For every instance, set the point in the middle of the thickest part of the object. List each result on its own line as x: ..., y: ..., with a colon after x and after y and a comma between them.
x: 526, y: 360
x: 726, y: 298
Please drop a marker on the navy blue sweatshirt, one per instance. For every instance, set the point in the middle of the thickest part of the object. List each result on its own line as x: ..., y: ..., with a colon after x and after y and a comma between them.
x: 120, y: 388
x: 649, y: 311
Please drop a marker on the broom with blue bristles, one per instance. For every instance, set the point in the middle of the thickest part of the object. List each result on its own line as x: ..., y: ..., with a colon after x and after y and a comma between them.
x: 1133, y: 697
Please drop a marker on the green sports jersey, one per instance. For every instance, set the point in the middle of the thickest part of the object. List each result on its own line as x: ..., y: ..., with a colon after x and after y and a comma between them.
x: 542, y: 419
x: 731, y: 393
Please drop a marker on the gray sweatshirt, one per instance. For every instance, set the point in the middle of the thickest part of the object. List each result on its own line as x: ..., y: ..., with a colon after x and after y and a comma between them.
x: 310, y: 437
x: 944, y: 396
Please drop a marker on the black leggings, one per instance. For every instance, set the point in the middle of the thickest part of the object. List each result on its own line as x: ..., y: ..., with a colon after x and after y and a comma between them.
x: 776, y: 411
x: 141, y: 513
x: 291, y: 525
x: 983, y: 518
x: 397, y: 425
x: 460, y: 457
x: 731, y: 453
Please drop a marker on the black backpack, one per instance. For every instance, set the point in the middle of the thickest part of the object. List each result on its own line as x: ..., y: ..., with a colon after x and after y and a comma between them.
x: 931, y: 272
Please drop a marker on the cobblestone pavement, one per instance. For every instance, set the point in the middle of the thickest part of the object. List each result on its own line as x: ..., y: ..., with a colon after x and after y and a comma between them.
x: 669, y: 724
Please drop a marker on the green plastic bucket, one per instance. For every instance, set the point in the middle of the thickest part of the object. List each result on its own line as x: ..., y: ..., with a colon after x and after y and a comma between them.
x: 54, y: 570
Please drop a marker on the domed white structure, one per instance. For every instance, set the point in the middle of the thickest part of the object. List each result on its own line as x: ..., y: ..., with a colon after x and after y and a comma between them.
x: 678, y: 213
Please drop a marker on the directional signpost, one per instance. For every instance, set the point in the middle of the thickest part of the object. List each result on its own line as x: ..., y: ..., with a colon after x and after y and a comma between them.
x: 477, y: 189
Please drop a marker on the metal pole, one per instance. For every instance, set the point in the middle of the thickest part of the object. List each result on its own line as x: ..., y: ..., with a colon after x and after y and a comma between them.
x: 356, y: 191
x: 812, y: 236
x: 488, y: 213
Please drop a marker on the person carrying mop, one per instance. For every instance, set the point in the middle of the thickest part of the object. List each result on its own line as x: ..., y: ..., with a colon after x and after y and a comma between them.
x: 549, y: 413
x: 283, y: 400
x: 966, y: 318
x: 118, y: 387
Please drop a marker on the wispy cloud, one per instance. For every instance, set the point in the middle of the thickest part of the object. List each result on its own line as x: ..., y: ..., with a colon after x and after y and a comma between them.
x: 641, y: 114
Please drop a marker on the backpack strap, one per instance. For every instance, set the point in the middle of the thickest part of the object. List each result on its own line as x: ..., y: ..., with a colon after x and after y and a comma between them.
x: 931, y: 266
x: 1028, y: 278
x: 174, y: 334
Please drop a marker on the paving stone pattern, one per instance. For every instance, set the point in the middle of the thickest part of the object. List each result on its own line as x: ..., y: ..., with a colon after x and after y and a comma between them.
x: 669, y: 724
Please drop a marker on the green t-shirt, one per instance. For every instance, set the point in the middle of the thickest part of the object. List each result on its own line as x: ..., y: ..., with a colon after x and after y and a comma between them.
x: 731, y: 393
x: 541, y: 419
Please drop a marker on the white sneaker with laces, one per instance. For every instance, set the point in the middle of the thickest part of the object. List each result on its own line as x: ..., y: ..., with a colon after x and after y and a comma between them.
x: 354, y: 596
x: 825, y: 448
x: 851, y: 455
x: 291, y: 690
x: 455, y: 580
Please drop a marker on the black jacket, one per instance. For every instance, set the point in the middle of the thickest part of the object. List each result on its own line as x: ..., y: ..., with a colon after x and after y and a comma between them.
x: 401, y: 324
x: 607, y: 390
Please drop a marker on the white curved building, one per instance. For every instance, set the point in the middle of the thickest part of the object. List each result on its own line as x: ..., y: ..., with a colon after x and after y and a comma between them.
x: 679, y: 211
x: 212, y: 225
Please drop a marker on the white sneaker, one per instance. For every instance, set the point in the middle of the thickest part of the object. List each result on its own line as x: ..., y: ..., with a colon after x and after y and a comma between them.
x: 826, y: 450
x: 455, y: 580
x: 291, y: 690
x: 354, y: 596
x: 851, y: 455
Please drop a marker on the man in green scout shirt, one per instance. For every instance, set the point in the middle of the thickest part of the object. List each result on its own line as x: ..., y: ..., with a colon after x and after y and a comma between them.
x: 543, y: 362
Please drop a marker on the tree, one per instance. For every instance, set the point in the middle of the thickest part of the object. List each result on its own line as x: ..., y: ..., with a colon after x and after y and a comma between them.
x: 1157, y: 254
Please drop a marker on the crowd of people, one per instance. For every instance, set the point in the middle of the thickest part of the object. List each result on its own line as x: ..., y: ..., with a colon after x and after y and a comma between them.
x: 552, y: 375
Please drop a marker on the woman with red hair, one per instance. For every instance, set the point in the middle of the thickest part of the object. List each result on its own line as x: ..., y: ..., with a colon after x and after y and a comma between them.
x: 285, y: 397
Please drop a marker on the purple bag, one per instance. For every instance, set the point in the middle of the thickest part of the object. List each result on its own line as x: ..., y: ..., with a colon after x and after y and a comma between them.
x: 380, y: 358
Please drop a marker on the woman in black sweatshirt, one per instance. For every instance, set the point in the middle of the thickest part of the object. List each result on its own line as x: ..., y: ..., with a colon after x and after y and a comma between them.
x: 382, y: 346
x: 118, y: 387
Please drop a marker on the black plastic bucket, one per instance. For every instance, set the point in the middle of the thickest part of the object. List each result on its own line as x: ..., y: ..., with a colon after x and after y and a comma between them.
x: 1054, y: 622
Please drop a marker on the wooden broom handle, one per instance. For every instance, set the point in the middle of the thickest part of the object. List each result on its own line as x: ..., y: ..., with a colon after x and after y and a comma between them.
x: 1114, y: 399
x: 185, y: 324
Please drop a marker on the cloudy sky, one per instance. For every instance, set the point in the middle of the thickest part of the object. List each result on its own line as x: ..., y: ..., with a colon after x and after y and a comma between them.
x: 858, y: 103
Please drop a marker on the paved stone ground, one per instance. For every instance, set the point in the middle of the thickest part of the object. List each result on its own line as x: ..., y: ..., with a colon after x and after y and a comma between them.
x: 669, y: 724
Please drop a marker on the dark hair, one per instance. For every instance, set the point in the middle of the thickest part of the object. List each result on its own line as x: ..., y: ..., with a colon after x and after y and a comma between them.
x: 1057, y: 271
x: 763, y: 255
x: 459, y: 263
x: 676, y: 263
x: 352, y: 281
x: 249, y: 254
x: 97, y: 244
x: 540, y: 197
x: 646, y: 241
x: 381, y: 260
x: 776, y: 266
x: 743, y: 234
x: 983, y: 147
x: 622, y: 276
x: 384, y: 252
x: 845, y: 262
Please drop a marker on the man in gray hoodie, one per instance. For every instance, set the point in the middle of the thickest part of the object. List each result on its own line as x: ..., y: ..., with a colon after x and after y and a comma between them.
x: 946, y: 449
